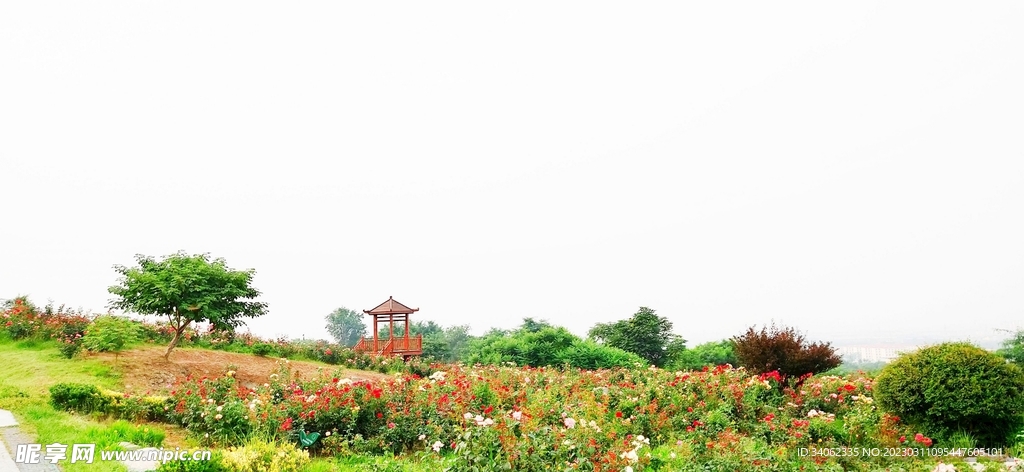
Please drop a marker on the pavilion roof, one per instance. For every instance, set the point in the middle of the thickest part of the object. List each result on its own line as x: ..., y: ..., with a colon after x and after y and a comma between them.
x: 390, y: 307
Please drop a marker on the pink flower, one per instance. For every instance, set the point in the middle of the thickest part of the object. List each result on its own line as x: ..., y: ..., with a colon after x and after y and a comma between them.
x: 570, y: 423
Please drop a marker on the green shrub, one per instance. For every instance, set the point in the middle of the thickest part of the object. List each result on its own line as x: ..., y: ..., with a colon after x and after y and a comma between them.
x: 590, y: 355
x: 262, y: 349
x: 260, y: 455
x: 70, y: 347
x: 110, y: 334
x: 955, y: 387
x: 82, y: 398
x: 215, y: 464
x: 784, y: 350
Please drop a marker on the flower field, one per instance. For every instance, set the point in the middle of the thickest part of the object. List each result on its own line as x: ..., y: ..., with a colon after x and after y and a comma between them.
x: 455, y: 417
x: 495, y: 418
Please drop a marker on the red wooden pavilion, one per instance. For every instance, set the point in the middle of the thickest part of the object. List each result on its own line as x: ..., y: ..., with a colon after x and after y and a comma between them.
x: 389, y: 312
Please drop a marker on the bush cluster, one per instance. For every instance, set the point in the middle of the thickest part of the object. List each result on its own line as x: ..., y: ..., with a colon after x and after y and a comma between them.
x: 85, y: 398
x: 545, y: 345
x: 20, y: 319
x: 954, y: 387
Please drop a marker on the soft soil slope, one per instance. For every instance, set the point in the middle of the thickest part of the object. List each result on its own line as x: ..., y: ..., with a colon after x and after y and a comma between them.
x: 145, y: 369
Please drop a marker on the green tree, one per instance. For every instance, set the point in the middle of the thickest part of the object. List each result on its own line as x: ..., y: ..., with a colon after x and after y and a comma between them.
x: 709, y: 354
x: 531, y: 325
x: 187, y: 289
x: 1013, y: 348
x: 346, y: 326
x: 443, y: 344
x: 645, y: 334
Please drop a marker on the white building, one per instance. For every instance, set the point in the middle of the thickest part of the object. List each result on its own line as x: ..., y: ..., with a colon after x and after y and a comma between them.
x: 865, y: 354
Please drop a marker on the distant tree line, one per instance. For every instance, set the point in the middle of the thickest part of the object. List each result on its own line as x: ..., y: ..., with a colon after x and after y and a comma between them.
x: 645, y: 338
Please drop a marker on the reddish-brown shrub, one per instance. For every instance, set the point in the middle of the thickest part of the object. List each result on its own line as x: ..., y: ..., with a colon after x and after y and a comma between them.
x: 785, y: 350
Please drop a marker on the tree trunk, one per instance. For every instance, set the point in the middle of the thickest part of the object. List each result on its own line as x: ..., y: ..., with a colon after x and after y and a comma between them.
x: 174, y: 342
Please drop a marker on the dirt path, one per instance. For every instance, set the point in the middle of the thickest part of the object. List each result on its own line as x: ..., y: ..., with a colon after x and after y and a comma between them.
x: 145, y: 369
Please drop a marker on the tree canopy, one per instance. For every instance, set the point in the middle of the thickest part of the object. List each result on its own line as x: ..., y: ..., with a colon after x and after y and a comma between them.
x: 1013, y: 348
x: 645, y: 334
x: 187, y: 289
x: 346, y: 326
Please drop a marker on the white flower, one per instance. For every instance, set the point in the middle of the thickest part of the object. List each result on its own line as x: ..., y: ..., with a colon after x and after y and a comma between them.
x: 437, y: 446
x: 468, y: 416
x: 344, y: 381
x: 630, y: 455
x: 310, y: 398
x: 219, y: 416
x: 328, y: 434
x: 422, y: 437
x: 628, y: 469
x: 220, y: 408
x: 570, y: 423
x: 517, y: 415
x: 437, y: 376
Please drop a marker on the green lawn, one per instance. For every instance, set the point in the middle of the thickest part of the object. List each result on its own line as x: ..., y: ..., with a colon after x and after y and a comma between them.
x: 28, y: 370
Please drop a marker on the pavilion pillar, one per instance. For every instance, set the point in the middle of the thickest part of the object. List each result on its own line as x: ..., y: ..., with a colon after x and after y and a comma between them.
x: 375, y: 334
x: 407, y: 332
x: 391, y: 329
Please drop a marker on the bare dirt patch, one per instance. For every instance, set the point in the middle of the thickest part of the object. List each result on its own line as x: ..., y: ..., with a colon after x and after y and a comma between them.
x: 145, y: 369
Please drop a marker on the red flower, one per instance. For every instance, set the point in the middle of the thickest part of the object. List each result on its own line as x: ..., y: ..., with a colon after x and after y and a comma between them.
x: 380, y: 415
x: 618, y: 414
x: 391, y: 425
x: 286, y: 425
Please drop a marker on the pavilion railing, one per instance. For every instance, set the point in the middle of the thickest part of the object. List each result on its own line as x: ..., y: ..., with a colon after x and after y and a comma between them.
x: 391, y: 346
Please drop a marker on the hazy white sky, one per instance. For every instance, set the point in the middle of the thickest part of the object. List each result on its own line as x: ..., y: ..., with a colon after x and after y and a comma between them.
x: 854, y: 170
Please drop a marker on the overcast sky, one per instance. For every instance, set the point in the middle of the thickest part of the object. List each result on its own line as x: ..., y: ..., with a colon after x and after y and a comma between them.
x: 854, y: 170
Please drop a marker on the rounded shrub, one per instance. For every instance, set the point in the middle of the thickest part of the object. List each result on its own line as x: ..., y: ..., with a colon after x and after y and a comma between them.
x: 954, y: 387
x: 590, y: 355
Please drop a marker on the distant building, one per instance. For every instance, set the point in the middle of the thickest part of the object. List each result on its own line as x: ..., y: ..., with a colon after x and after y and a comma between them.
x: 868, y: 354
